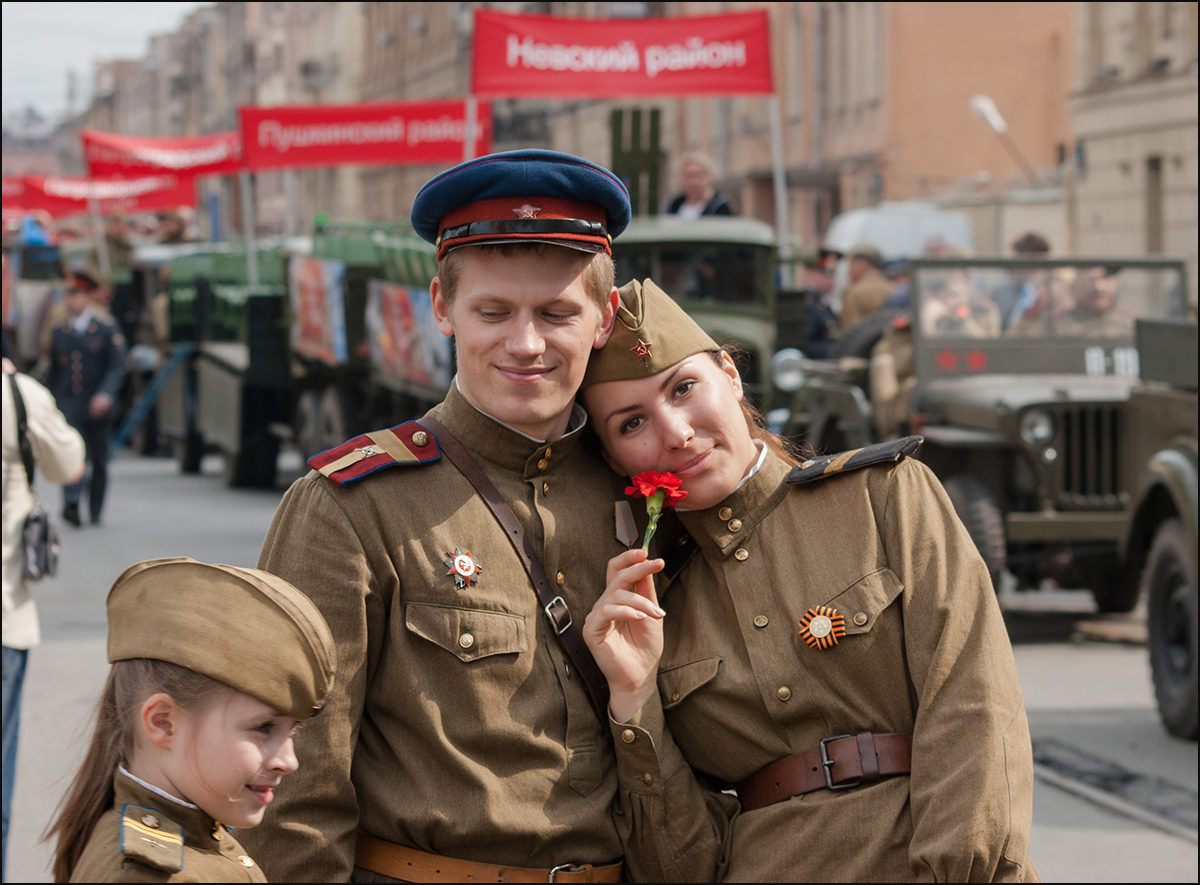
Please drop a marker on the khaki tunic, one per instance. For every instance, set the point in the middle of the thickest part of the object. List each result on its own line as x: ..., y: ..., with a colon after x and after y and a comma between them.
x: 115, y: 851
x: 864, y: 298
x: 455, y: 726
x: 740, y: 689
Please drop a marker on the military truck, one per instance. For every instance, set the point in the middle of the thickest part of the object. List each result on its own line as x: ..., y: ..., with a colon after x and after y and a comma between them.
x: 1159, y: 538
x: 1021, y: 372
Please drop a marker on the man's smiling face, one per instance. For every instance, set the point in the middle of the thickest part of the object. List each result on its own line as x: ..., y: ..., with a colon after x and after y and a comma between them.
x: 524, y: 325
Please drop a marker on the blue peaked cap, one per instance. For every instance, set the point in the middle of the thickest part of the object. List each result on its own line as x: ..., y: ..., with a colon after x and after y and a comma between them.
x: 526, y: 173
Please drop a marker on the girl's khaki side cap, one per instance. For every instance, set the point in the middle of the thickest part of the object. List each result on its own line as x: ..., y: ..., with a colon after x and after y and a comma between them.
x: 652, y: 333
x: 251, y: 630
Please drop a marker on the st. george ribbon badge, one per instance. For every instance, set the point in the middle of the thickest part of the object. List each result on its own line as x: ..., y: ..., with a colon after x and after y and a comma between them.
x: 822, y: 627
x: 465, y: 569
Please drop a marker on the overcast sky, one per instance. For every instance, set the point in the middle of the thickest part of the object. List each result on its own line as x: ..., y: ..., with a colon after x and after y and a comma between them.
x: 42, y: 41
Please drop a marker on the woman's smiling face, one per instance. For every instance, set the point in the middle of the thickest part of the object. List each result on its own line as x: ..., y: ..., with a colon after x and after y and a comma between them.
x: 686, y: 420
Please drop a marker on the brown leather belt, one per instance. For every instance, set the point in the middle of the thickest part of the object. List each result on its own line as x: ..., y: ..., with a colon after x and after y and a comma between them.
x: 838, y: 763
x: 411, y: 865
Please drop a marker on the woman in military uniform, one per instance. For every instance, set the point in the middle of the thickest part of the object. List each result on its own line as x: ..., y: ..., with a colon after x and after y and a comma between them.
x: 213, y: 668
x: 832, y: 649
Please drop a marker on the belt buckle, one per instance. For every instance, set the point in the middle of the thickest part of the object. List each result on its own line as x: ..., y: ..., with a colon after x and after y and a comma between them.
x: 558, y: 604
x: 567, y: 868
x: 827, y: 764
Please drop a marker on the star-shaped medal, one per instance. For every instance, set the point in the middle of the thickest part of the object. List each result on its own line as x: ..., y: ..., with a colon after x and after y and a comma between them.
x: 641, y: 349
x: 822, y: 627
x: 464, y: 569
x: 527, y: 211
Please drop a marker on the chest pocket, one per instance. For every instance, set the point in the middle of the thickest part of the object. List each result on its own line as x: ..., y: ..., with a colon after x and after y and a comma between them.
x: 868, y: 596
x: 676, y: 683
x: 467, y: 633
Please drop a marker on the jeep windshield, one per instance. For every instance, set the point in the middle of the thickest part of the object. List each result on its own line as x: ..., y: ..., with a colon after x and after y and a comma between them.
x: 1053, y: 316
x: 719, y: 273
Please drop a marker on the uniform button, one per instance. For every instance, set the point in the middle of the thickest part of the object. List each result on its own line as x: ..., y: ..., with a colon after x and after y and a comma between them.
x: 547, y: 455
x: 783, y: 693
x: 466, y: 640
x: 647, y: 778
x: 860, y: 618
x: 674, y: 697
x: 543, y: 464
x: 151, y: 821
x: 560, y: 578
x: 217, y: 833
x: 741, y: 554
x: 76, y: 354
x: 628, y: 736
x: 760, y: 621
x: 545, y: 489
x: 245, y: 861
x: 420, y: 438
x: 735, y: 525
x: 725, y: 512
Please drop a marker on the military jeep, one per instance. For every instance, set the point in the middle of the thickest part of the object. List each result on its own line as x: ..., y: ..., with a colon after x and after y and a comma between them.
x: 1021, y: 372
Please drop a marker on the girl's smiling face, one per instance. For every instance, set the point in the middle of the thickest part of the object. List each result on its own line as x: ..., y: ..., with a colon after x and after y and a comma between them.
x: 686, y: 420
x: 226, y: 759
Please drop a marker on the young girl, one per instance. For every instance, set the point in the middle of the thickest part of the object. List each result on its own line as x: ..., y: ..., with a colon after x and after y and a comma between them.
x: 833, y: 649
x: 213, y: 668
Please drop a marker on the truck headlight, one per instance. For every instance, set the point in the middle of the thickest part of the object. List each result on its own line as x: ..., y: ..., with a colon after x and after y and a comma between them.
x: 787, y: 369
x: 1037, y: 427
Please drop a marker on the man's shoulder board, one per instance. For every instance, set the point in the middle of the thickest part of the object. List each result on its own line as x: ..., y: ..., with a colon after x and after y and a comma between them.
x: 150, y: 838
x: 409, y: 444
x: 830, y: 465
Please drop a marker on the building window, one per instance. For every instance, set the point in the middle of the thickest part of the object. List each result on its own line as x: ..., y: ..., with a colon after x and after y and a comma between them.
x: 1154, y: 205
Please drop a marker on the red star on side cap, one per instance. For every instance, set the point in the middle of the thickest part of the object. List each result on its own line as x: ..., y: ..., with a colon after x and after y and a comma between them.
x: 526, y: 211
x: 976, y: 360
x: 947, y: 360
x: 642, y: 349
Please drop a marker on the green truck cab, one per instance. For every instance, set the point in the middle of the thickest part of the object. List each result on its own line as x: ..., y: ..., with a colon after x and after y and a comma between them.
x: 1018, y: 373
x: 1159, y: 538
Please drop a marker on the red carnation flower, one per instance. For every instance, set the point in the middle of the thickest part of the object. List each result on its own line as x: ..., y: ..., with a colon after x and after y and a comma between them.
x: 658, y: 489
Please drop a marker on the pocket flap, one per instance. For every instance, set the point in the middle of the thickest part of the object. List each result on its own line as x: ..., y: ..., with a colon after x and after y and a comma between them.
x: 676, y: 683
x: 467, y: 633
x: 869, y: 596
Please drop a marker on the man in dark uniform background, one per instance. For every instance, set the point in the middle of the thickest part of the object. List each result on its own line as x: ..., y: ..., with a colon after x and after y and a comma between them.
x: 87, y: 368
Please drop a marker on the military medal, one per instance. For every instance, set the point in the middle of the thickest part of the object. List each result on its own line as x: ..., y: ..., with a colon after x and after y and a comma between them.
x: 464, y: 569
x: 822, y: 627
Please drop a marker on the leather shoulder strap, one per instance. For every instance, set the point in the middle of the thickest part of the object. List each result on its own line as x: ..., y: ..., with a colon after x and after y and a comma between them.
x: 594, y: 683
x: 22, y: 429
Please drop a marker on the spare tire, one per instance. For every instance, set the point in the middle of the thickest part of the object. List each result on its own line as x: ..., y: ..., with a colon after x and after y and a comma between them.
x: 979, y: 512
x: 861, y: 338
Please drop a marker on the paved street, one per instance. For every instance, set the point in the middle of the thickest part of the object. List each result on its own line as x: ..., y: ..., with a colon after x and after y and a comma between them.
x: 1085, y: 677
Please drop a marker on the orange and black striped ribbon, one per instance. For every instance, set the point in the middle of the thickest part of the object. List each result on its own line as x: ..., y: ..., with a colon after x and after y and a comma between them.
x: 822, y: 642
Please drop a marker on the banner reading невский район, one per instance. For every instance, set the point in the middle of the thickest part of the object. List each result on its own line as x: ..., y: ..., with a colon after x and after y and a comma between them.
x: 544, y: 56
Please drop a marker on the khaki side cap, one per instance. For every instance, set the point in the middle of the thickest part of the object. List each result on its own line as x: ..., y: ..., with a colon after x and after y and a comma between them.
x: 651, y: 334
x: 248, y: 629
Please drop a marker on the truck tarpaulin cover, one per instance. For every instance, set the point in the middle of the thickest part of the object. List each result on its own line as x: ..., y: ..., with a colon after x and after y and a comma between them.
x: 394, y: 133
x: 107, y: 153
x: 67, y: 196
x: 528, y: 55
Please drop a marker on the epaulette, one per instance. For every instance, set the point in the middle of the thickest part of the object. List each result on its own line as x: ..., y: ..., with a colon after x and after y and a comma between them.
x: 409, y: 444
x: 150, y: 838
x: 829, y: 465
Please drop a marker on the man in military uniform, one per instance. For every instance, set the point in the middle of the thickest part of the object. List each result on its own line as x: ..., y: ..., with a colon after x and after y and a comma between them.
x: 1095, y: 313
x: 460, y: 742
x: 869, y: 288
x: 87, y: 368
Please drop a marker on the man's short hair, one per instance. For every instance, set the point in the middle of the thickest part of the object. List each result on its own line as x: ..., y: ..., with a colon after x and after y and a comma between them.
x: 597, y: 276
x: 1031, y: 244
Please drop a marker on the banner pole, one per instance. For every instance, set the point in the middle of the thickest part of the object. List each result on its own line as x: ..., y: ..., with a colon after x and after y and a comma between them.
x: 780, y: 179
x: 472, y: 112
x: 99, y: 240
x: 248, y: 227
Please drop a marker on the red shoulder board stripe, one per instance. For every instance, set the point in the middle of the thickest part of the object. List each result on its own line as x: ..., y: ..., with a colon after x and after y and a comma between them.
x: 409, y: 444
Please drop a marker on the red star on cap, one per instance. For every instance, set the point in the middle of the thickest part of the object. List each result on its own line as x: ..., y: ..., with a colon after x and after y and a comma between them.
x: 976, y: 360
x: 947, y: 360
x: 642, y: 349
x: 526, y: 211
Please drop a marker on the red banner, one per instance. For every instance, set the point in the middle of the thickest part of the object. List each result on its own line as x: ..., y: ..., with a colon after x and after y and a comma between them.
x: 533, y: 55
x: 393, y: 133
x: 68, y: 196
x: 107, y: 153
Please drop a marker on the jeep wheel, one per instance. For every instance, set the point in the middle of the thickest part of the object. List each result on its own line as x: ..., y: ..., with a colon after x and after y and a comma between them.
x: 1170, y: 583
x: 979, y: 512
